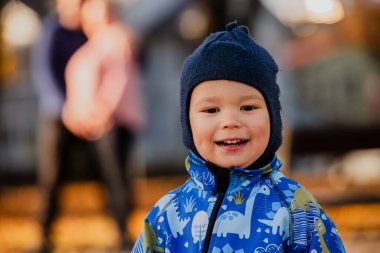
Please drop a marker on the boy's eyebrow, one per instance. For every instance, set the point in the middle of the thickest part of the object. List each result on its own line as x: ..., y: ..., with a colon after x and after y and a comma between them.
x: 251, y: 96
x: 216, y: 98
x: 206, y: 100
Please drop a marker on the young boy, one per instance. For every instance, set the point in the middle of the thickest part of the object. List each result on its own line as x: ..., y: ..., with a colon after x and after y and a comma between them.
x: 236, y: 200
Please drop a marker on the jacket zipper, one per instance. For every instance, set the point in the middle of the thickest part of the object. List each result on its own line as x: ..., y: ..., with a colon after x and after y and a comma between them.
x: 214, y: 215
x: 222, y: 181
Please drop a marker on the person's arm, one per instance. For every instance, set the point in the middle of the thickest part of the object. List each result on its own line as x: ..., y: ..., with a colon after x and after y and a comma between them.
x: 139, y: 245
x: 49, y: 97
x: 313, y: 231
x: 96, y: 78
x: 147, y: 240
x: 80, y: 113
x: 116, y: 57
x: 325, y: 237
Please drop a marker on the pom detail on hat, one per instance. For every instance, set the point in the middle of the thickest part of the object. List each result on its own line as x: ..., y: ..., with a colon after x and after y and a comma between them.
x: 232, y: 25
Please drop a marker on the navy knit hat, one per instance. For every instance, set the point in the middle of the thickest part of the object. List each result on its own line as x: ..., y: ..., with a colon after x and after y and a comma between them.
x: 233, y: 55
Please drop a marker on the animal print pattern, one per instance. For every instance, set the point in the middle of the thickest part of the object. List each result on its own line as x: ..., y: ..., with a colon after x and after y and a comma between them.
x: 263, y: 211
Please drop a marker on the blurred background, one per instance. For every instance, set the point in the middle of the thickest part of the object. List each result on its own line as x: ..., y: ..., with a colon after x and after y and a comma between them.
x: 328, y: 52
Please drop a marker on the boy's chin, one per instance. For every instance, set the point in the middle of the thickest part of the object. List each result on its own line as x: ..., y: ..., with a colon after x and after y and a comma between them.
x: 230, y: 164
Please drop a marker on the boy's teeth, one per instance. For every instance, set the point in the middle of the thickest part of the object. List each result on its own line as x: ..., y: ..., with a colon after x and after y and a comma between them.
x: 232, y: 142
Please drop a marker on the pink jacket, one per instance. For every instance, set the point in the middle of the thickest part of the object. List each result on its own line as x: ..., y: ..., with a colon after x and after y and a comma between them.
x: 102, y: 81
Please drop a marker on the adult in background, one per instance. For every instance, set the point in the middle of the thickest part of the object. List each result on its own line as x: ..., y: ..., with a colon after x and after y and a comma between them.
x: 61, y: 35
x: 103, y: 102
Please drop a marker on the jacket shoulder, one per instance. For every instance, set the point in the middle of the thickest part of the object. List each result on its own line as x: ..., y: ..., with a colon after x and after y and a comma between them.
x: 311, y: 228
x: 295, y: 196
x: 162, y: 204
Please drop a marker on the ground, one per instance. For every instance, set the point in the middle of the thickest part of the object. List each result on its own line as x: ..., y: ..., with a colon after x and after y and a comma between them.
x: 83, y: 224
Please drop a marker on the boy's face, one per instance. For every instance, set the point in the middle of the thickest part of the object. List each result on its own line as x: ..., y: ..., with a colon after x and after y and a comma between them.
x: 229, y: 122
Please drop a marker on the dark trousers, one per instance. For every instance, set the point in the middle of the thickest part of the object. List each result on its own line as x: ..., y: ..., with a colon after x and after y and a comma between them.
x: 65, y: 157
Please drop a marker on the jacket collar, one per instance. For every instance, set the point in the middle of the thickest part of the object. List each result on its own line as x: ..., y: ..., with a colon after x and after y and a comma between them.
x: 204, y: 176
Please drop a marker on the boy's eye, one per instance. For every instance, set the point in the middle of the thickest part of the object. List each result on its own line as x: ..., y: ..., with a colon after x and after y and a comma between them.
x: 247, y: 108
x: 211, y: 110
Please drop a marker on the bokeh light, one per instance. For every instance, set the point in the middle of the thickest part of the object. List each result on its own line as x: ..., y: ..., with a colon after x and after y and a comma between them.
x: 20, y: 24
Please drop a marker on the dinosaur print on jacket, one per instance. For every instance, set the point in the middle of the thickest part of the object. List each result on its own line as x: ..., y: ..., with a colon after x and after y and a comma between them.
x: 261, y: 211
x: 302, y: 199
x: 149, y: 239
x: 234, y: 222
x: 279, y: 222
x: 321, y: 230
x: 176, y: 224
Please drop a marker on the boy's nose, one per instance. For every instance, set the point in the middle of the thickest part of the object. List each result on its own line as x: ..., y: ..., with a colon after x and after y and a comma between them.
x: 230, y: 120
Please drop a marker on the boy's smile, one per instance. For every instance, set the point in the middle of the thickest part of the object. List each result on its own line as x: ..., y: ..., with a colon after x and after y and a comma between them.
x: 229, y: 122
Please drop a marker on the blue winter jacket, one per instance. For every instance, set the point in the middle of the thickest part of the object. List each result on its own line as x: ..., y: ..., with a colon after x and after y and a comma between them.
x: 240, y: 211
